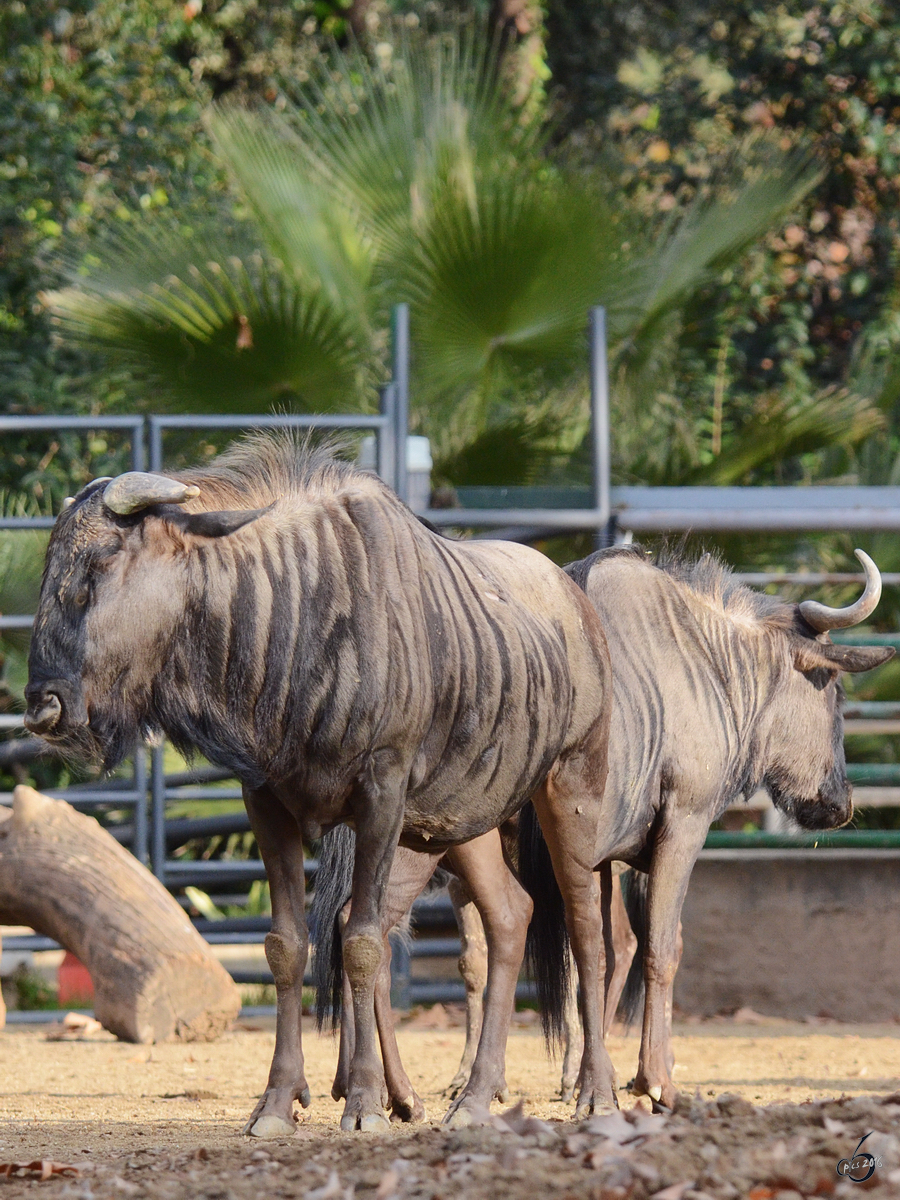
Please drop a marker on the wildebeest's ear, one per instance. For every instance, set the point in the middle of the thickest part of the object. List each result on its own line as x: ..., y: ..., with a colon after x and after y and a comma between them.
x: 216, y: 524
x: 808, y: 655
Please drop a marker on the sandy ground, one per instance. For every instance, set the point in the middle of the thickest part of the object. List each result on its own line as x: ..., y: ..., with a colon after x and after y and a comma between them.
x: 165, y: 1120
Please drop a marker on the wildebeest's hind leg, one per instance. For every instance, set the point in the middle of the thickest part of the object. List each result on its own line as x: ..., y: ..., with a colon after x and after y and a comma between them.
x: 570, y: 831
x: 473, y: 967
x: 345, y: 1044
x: 280, y: 844
x: 624, y: 944
x: 677, y: 845
x: 505, y: 909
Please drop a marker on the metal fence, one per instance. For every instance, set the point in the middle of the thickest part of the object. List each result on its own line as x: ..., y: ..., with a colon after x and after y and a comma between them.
x: 610, y: 512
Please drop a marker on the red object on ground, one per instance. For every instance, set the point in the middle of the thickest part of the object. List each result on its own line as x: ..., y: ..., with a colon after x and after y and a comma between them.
x: 75, y: 983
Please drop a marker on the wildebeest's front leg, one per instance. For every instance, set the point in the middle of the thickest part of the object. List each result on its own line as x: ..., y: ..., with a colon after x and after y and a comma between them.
x: 410, y: 872
x: 281, y: 846
x: 505, y: 909
x: 677, y: 845
x: 378, y: 813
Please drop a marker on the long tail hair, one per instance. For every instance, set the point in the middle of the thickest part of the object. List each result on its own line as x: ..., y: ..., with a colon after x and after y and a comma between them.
x: 334, y: 880
x: 547, y: 944
x: 634, y: 893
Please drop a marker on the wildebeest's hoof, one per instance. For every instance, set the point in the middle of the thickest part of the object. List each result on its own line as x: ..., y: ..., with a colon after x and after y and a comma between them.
x: 567, y: 1091
x: 459, y: 1118
x: 368, y: 1123
x: 364, y: 1112
x: 467, y: 1110
x: 595, y: 1104
x: 274, y: 1116
x: 410, y: 1109
x: 664, y: 1095
x: 269, y: 1126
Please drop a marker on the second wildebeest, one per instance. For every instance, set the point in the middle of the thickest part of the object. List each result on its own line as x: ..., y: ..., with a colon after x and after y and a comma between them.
x: 717, y: 690
x: 287, y: 616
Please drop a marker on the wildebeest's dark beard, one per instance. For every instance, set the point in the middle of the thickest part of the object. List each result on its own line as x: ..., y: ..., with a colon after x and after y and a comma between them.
x: 829, y: 810
x: 77, y: 746
x: 114, y: 737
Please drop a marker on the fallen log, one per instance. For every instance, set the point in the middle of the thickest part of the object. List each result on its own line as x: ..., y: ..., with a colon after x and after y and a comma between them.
x: 154, y: 976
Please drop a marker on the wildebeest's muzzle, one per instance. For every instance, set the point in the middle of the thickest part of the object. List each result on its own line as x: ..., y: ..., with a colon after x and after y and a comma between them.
x: 831, y: 808
x: 56, y: 708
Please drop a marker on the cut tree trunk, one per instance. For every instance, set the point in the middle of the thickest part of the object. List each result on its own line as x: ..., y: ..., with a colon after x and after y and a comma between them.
x: 154, y: 976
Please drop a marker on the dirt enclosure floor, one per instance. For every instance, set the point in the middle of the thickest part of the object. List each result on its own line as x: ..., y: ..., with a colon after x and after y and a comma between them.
x: 769, y: 1110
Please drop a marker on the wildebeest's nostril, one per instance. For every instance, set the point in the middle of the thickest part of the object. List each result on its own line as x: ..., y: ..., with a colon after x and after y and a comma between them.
x: 43, y: 713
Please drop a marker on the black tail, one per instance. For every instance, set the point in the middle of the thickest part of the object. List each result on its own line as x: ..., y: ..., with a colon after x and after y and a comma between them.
x: 334, y: 879
x: 634, y: 893
x: 547, y: 946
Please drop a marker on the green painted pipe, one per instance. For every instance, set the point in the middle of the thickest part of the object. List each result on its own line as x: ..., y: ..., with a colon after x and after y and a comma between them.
x: 844, y: 839
x: 874, y: 774
x: 859, y: 637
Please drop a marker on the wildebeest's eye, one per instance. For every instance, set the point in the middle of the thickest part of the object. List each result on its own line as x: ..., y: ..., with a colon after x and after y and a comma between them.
x: 82, y: 596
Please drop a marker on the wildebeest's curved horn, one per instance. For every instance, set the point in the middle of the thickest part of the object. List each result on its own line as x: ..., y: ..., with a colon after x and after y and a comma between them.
x: 134, y: 490
x: 822, y: 618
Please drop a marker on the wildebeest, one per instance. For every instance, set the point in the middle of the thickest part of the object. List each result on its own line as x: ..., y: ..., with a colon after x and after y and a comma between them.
x: 287, y: 616
x: 717, y: 690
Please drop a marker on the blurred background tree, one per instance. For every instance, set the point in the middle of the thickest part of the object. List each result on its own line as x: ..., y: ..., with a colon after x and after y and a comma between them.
x: 784, y: 349
x: 661, y: 90
x: 421, y: 173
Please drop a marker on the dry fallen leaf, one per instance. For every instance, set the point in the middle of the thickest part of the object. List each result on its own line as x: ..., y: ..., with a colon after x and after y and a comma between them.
x: 40, y: 1168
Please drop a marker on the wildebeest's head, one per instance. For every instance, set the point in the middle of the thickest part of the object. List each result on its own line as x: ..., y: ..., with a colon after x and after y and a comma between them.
x: 110, y: 598
x: 806, y: 772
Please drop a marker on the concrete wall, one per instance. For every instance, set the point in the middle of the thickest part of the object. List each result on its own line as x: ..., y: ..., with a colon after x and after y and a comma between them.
x: 793, y: 933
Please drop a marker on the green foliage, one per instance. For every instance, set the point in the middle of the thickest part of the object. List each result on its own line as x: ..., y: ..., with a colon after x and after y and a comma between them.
x: 412, y: 175
x: 407, y: 173
x: 100, y: 124
x: 259, y: 903
x: 32, y: 992
x: 662, y: 91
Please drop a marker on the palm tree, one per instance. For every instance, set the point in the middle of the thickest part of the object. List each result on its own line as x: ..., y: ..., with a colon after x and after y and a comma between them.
x: 412, y: 175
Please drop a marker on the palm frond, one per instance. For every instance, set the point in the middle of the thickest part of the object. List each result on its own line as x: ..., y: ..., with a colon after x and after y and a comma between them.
x: 783, y: 430
x: 394, y: 135
x: 320, y: 242
x: 234, y: 334
x: 761, y: 184
x: 504, y: 285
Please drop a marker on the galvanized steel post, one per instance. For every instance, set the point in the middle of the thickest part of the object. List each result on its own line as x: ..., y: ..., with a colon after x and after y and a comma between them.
x: 400, y: 348
x: 158, y: 813
x: 600, y: 436
x: 140, y: 847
